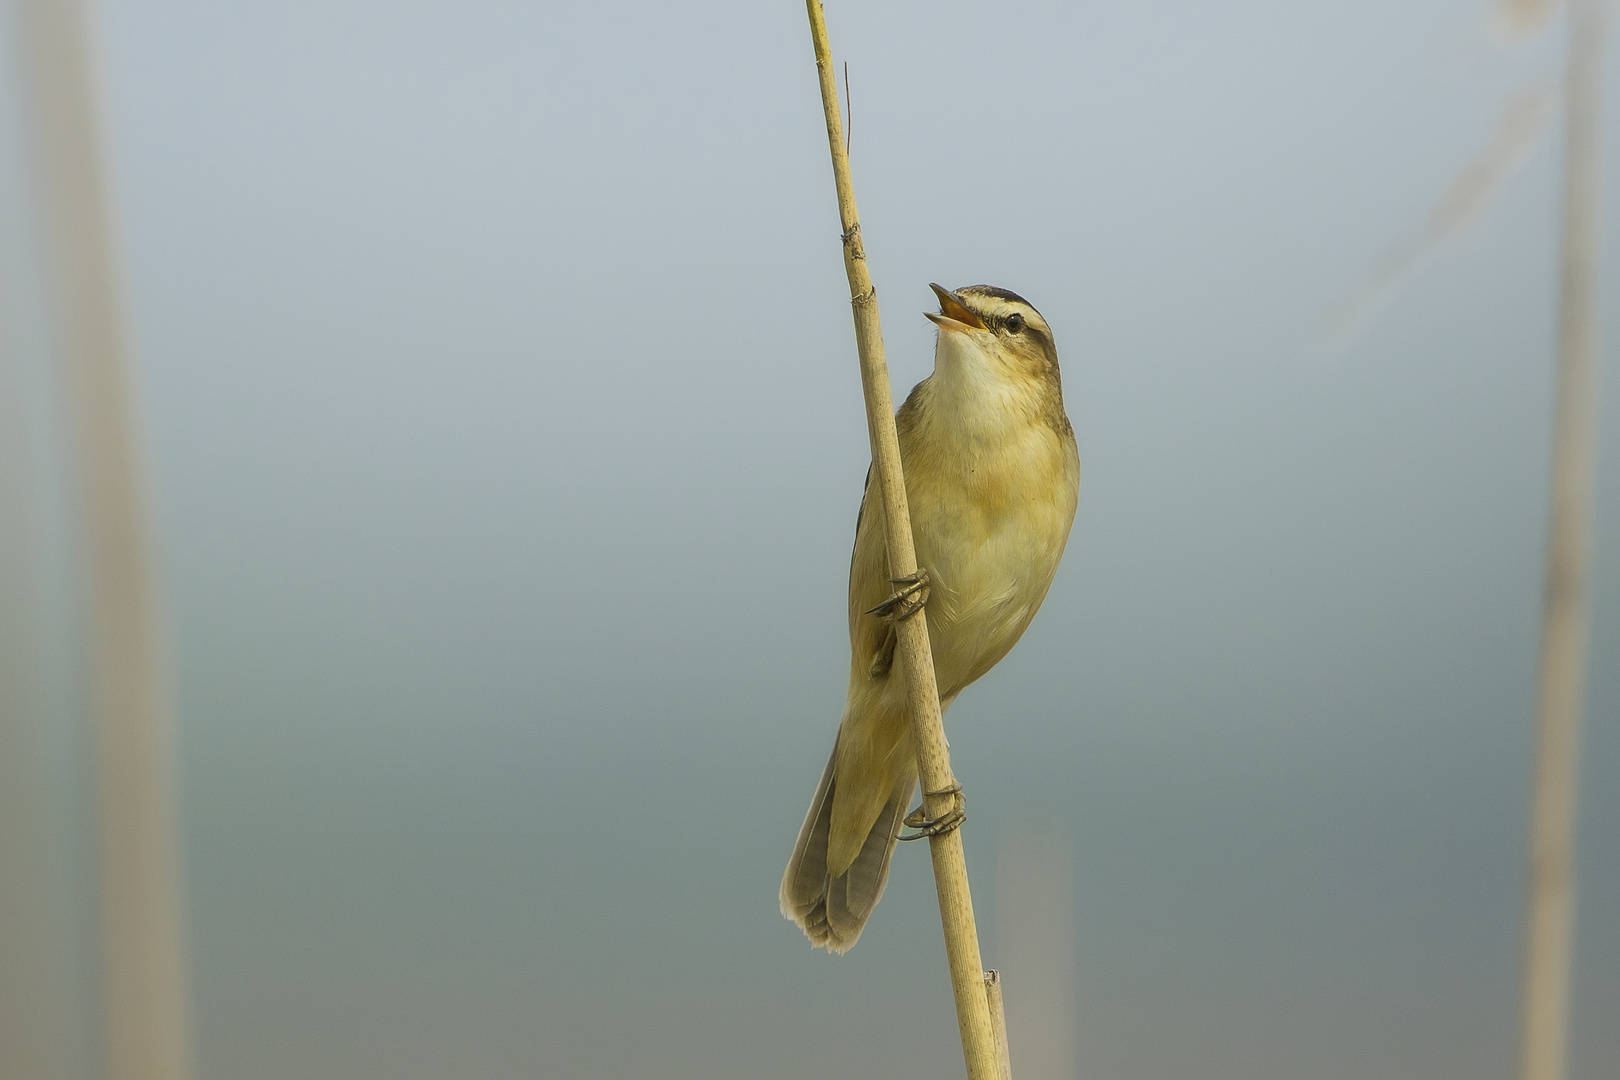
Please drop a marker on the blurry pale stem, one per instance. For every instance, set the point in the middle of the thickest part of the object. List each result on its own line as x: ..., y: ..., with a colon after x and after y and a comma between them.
x: 1550, y: 914
x: 143, y: 987
x: 1457, y: 208
x: 912, y: 648
x: 1517, y: 19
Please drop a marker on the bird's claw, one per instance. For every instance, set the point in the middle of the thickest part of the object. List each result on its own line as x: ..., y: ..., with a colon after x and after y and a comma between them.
x: 908, y: 600
x: 947, y: 822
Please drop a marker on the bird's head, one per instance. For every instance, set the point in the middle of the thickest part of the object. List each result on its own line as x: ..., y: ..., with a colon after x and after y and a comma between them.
x: 995, y: 331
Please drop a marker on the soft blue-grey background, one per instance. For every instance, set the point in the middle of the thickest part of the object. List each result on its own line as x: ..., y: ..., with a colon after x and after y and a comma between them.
x: 506, y: 441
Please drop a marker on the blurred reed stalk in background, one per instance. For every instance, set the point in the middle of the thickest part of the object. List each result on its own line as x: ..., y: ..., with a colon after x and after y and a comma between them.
x: 1550, y: 911
x: 1550, y: 903
x: 1035, y: 924
x: 1457, y: 209
x: 972, y: 986
x: 142, y: 1004
x: 1470, y: 191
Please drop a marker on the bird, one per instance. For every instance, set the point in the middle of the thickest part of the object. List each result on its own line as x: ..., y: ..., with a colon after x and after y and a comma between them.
x: 992, y: 475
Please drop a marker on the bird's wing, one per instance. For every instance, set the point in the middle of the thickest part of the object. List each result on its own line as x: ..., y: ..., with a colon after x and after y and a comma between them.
x: 871, y: 640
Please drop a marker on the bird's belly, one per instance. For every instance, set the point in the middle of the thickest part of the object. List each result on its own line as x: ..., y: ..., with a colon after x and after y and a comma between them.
x: 989, y: 572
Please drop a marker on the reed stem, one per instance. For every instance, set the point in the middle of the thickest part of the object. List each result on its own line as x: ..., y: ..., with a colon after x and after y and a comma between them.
x: 143, y: 1004
x: 998, y: 1022
x: 1550, y: 911
x: 912, y: 648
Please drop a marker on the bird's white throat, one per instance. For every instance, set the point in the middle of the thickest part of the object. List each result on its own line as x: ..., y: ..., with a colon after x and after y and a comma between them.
x: 978, y: 389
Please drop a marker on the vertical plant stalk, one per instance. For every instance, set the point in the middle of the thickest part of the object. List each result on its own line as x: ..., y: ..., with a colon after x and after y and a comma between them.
x: 1550, y: 910
x: 912, y: 648
x: 998, y: 1023
x: 143, y: 999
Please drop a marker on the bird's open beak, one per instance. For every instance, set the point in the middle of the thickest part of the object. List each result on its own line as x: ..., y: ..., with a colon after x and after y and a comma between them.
x: 953, y: 314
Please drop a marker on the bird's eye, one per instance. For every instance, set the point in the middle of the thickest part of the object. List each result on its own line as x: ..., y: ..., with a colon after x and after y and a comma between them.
x: 1014, y: 323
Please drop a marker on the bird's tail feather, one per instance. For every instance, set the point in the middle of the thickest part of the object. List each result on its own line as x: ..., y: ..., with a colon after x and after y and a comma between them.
x: 832, y: 910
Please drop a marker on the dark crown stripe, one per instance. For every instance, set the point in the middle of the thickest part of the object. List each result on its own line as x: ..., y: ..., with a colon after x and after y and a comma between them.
x: 998, y: 293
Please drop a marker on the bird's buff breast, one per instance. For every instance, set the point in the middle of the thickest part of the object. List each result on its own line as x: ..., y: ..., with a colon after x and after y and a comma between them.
x: 990, y: 525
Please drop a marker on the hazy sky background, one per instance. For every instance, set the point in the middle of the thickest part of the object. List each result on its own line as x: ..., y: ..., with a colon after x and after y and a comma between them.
x: 507, y: 439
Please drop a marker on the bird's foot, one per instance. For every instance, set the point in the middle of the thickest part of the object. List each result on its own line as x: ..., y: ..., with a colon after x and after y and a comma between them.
x: 949, y: 821
x: 908, y: 600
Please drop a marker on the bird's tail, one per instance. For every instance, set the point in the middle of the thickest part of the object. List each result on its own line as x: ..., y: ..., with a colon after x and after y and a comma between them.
x: 831, y: 908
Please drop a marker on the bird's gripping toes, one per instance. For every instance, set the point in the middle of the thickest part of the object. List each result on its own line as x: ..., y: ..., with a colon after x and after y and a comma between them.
x: 909, y: 600
x: 992, y: 479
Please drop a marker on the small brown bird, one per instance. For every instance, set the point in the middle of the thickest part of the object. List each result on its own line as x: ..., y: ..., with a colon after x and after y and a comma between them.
x: 992, y: 478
